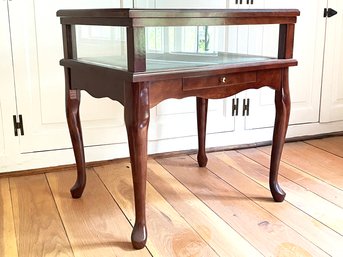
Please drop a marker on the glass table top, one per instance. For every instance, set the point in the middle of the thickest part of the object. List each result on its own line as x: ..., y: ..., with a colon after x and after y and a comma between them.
x: 176, y: 61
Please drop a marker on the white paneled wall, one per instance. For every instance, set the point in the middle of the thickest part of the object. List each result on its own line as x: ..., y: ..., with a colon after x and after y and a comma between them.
x: 332, y: 91
x: 32, y: 83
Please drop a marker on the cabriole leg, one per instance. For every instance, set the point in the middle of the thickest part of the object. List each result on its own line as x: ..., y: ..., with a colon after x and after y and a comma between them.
x: 282, y: 106
x: 202, y: 120
x: 74, y: 124
x: 137, y: 115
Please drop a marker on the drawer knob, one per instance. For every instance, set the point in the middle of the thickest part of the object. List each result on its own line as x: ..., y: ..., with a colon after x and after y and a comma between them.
x: 223, y: 79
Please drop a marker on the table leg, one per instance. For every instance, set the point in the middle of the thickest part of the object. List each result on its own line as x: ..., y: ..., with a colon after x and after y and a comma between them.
x: 202, y: 104
x: 282, y: 105
x: 137, y: 116
x: 74, y: 124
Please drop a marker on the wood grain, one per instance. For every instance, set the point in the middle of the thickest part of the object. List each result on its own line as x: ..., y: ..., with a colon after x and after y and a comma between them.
x: 137, y: 117
x: 94, y: 224
x: 8, y: 243
x: 314, y: 161
x: 263, y: 230
x: 73, y: 98
x: 72, y: 104
x: 282, y: 108
x: 168, y: 233
x: 176, y: 13
x: 332, y: 145
x: 217, y: 233
x: 38, y: 226
x: 305, y: 180
x: 225, y: 210
x: 310, y: 228
x: 314, y: 205
x: 202, y: 107
x: 136, y: 60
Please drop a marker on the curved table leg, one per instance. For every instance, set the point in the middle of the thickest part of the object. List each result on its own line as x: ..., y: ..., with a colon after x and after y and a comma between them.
x: 202, y: 104
x: 137, y: 116
x: 282, y: 105
x: 74, y: 124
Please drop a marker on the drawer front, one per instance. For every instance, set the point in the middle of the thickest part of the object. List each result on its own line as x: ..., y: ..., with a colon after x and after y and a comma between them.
x: 194, y: 83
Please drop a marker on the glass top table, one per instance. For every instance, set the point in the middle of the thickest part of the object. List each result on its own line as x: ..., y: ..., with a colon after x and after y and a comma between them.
x: 176, y: 61
x: 140, y: 57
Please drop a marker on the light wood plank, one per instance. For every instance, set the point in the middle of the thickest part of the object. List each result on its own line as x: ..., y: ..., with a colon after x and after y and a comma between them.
x: 94, y: 223
x: 314, y: 161
x: 332, y: 145
x: 313, y: 230
x: 168, y: 233
x: 314, y: 205
x: 8, y: 244
x: 268, y: 234
x: 39, y: 229
x: 217, y: 233
x: 306, y: 180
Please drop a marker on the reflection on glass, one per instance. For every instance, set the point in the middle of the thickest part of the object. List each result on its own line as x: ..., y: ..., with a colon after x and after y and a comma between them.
x: 191, y: 39
x: 173, y: 47
x: 102, y: 44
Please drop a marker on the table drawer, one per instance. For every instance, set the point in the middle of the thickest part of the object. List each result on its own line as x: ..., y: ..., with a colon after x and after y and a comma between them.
x: 193, y: 83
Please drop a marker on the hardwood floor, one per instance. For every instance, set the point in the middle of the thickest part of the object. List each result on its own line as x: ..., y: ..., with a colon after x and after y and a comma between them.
x: 225, y: 209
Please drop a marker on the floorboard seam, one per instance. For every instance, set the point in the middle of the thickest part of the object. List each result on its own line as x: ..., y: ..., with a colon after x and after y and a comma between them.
x: 59, y: 214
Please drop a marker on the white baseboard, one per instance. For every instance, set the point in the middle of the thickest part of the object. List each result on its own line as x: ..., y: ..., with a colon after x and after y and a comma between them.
x: 25, y: 161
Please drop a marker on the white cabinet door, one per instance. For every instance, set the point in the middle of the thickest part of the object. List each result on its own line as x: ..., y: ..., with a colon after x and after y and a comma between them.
x: 37, y: 49
x: 332, y: 90
x: 305, y: 79
x: 8, y: 142
x: 2, y: 136
x: 4, y: 35
x: 177, y: 118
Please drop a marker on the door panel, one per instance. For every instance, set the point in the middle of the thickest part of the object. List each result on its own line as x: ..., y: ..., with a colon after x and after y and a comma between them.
x: 4, y: 44
x: 305, y: 79
x: 332, y: 90
x: 37, y: 49
x: 175, y: 118
x: 2, y: 136
x: 8, y: 142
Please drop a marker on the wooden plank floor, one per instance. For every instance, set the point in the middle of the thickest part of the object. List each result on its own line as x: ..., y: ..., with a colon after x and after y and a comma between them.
x: 222, y: 210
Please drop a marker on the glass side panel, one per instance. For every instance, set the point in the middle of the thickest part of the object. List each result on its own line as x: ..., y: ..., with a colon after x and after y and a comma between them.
x: 102, y: 44
x: 180, y: 47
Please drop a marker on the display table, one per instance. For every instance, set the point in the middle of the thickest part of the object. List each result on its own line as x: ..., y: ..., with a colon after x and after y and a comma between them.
x: 140, y: 79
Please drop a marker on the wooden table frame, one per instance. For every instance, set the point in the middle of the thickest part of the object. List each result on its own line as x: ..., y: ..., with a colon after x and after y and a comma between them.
x: 139, y: 90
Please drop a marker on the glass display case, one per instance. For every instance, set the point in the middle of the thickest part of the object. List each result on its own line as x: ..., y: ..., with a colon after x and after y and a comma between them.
x: 165, y: 47
x: 140, y: 57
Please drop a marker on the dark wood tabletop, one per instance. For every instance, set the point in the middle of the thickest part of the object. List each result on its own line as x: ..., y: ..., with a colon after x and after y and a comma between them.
x: 177, y: 17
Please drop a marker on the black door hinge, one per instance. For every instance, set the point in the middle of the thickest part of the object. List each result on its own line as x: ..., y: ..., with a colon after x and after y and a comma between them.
x: 246, y: 107
x: 235, y: 104
x: 328, y: 12
x: 241, y: 1
x: 18, y: 125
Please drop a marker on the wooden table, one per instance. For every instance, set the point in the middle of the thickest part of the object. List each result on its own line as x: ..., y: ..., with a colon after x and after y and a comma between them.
x: 145, y: 82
